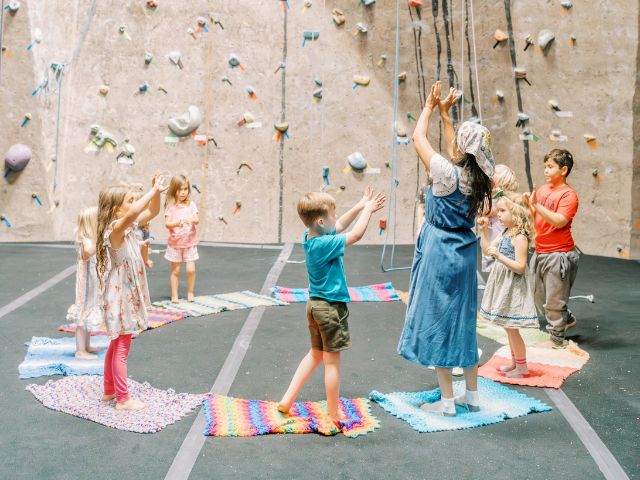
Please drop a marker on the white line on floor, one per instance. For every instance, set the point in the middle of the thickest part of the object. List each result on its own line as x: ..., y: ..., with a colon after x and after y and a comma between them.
x: 31, y: 294
x: 605, y: 460
x: 190, y: 449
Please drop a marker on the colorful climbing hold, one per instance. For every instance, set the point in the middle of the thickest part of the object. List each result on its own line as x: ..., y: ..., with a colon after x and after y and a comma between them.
x: 309, y: 36
x: 337, y: 16
x: 360, y: 28
x: 402, y: 76
x: 5, y: 220
x: 500, y: 37
x: 148, y: 58
x: 415, y: 3
x: 186, y: 123
x: 17, y: 158
x: 123, y: 32
x: 34, y: 195
x: 152, y: 5
x: 528, y: 41
x: 382, y: 60
x: 500, y: 95
x: 126, y: 155
x: 143, y: 87
x: 382, y: 225
x: 104, y: 90
x: 545, y: 37
x: 411, y: 116
x: 554, y: 105
x: 196, y: 187
x: 222, y: 219
x: 522, y: 119
x: 243, y: 165
x: 237, y: 207
x: 234, y: 61
x: 591, y: 140
x: 520, y: 73
x: 176, y: 58
x: 252, y: 92
x: 357, y: 161
x: 27, y: 117
x: 247, y: 117
x: 281, y: 129
x: 202, y: 24
x: 360, y: 80
x: 325, y: 175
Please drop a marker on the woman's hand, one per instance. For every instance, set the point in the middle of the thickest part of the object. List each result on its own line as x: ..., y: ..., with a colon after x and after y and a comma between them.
x: 433, y: 100
x: 449, y: 100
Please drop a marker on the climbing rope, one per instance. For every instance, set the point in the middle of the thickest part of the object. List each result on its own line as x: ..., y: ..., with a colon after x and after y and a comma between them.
x: 393, y: 183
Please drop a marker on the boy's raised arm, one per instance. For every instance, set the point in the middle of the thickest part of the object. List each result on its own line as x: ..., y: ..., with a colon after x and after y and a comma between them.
x: 347, y: 218
x: 372, y: 205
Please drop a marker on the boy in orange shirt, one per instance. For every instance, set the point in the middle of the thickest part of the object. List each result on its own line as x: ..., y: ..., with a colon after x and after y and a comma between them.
x: 555, y: 262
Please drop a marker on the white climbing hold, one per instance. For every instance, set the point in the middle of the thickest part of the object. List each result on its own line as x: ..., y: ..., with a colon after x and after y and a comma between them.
x: 176, y: 58
x: 357, y: 161
x: 186, y: 123
x: 545, y: 37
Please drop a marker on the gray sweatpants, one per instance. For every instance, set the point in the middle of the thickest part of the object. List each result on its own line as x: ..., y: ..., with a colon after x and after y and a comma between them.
x: 554, y: 274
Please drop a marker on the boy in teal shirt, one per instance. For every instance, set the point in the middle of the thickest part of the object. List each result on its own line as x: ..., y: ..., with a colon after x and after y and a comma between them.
x: 327, y: 310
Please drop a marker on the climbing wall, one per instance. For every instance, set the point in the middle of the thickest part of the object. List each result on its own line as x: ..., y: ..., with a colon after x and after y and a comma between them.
x: 124, y: 68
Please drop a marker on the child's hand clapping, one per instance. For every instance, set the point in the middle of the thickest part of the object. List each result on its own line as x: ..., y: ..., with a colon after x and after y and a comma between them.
x: 159, y: 181
x: 493, y: 252
x: 366, y: 196
x: 376, y: 203
x: 483, y: 223
x: 531, y: 198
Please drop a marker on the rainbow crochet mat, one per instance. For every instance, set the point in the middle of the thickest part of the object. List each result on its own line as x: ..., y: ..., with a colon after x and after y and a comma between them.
x: 237, y: 417
x: 380, y: 292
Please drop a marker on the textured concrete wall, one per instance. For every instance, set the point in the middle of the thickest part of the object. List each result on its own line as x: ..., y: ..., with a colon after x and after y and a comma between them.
x: 594, y: 79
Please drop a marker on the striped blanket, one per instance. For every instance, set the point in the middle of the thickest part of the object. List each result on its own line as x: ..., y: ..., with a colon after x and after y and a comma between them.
x: 380, y: 292
x: 209, y: 304
x: 158, y: 317
x: 236, y: 417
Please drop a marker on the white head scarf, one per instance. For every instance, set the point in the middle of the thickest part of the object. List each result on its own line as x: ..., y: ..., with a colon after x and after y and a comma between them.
x: 475, y: 139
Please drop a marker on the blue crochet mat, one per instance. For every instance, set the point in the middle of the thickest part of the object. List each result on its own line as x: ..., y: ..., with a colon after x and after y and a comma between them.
x: 497, y: 403
x: 55, y: 356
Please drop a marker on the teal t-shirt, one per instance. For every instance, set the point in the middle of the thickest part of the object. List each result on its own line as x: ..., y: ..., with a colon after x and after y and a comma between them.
x: 323, y: 256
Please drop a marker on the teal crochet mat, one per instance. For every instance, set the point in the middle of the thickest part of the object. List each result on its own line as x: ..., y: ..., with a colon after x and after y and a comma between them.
x: 497, y: 403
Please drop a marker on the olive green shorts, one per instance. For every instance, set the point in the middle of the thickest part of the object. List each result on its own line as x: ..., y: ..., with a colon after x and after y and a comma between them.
x: 328, y: 325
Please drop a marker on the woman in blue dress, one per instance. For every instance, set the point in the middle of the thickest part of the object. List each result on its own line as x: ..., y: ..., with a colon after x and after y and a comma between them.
x: 440, y: 324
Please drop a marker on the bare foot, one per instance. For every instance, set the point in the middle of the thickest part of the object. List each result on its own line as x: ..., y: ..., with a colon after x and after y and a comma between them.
x: 108, y: 398
x: 93, y: 349
x: 130, y: 404
x: 283, y: 409
x: 174, y: 300
x: 190, y: 297
x: 85, y: 355
x: 149, y: 263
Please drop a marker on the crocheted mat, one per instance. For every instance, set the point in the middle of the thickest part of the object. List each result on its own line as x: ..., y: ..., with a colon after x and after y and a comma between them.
x: 236, y: 417
x: 158, y: 317
x: 209, y: 304
x: 56, y: 356
x: 380, y: 292
x: 497, y: 403
x: 81, y: 397
x: 548, y: 367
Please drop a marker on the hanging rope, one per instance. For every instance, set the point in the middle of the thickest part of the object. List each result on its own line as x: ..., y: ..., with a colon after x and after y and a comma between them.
x: 462, y: 60
x: 393, y: 184
x: 475, y: 61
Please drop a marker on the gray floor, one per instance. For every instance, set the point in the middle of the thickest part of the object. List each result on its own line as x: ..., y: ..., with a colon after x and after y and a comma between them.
x: 187, y: 356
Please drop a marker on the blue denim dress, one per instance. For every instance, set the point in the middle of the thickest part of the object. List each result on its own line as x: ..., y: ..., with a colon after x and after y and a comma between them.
x: 440, y: 324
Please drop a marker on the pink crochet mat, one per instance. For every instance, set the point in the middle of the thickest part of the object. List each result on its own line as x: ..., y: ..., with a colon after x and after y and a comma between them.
x: 80, y: 396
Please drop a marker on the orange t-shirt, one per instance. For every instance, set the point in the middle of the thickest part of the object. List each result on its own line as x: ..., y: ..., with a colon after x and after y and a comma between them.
x: 562, y: 200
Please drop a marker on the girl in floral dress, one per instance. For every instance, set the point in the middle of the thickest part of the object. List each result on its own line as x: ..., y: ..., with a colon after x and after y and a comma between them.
x: 123, y: 280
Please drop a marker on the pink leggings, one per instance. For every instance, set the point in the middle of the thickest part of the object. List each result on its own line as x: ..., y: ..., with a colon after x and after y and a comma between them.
x: 115, y: 368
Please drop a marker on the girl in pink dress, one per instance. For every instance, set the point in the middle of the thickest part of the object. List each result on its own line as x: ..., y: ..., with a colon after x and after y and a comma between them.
x: 123, y: 280
x: 181, y: 217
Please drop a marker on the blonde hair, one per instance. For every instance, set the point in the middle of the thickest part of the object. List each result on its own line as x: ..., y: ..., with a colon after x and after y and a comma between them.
x: 522, y: 221
x: 315, y: 205
x: 87, y: 224
x: 109, y: 201
x: 504, y: 178
x: 177, y: 182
